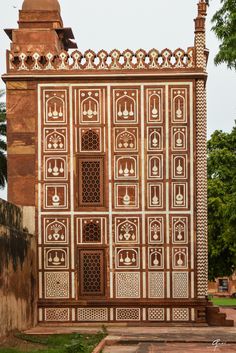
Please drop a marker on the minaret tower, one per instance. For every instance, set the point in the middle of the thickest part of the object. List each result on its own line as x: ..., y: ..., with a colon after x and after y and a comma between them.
x: 201, y: 151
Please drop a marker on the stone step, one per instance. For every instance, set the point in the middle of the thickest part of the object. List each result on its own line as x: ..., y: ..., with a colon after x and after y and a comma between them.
x: 216, y: 318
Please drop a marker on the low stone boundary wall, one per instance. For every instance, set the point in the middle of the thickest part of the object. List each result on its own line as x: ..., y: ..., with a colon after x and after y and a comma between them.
x: 17, y: 270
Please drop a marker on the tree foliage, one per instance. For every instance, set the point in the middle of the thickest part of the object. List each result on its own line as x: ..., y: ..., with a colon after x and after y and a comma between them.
x: 224, y: 27
x: 3, y: 145
x: 222, y: 203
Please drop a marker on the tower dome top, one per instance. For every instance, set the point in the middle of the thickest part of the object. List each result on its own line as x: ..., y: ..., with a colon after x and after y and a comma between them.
x: 41, y: 5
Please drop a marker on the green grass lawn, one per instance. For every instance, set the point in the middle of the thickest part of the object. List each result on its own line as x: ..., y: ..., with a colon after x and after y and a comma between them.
x: 73, y: 343
x: 224, y: 301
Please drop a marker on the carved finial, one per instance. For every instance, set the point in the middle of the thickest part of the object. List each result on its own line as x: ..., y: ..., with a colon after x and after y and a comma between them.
x: 202, y: 7
x: 200, y: 35
x: 201, y: 18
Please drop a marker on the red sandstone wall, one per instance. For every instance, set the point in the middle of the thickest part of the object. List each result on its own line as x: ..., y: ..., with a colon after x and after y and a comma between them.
x: 21, y: 118
x: 17, y: 272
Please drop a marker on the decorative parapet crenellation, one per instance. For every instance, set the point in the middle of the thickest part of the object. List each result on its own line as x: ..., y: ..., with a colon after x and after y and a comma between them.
x: 113, y: 61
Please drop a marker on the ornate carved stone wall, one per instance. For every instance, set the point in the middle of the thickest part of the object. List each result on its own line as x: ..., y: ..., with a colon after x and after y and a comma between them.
x: 120, y: 176
x: 116, y: 198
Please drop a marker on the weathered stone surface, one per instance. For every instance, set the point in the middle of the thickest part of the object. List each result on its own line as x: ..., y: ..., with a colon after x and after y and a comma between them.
x: 17, y: 271
x: 29, y: 218
x: 22, y: 190
x: 172, y: 348
x: 21, y: 110
x: 22, y: 165
x: 17, y: 85
x: 21, y: 126
x: 51, y: 5
x: 21, y: 85
x: 23, y: 36
x: 21, y: 143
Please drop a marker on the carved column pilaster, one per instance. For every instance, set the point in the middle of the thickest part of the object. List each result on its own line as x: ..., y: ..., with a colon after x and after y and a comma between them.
x: 201, y: 177
x: 201, y: 153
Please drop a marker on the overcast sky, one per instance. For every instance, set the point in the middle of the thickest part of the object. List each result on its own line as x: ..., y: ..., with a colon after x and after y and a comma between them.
x: 134, y: 24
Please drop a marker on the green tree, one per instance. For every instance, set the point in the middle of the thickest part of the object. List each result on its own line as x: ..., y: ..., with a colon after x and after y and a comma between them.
x: 224, y: 27
x: 3, y: 145
x: 222, y: 203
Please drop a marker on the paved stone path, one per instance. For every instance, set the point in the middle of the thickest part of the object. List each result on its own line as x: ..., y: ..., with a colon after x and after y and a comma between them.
x: 148, y: 334
x: 172, y: 348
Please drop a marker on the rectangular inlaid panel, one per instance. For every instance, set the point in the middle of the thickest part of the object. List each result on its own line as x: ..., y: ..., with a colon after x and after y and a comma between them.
x: 90, y: 182
x: 57, y: 314
x: 92, y: 272
x: 92, y: 314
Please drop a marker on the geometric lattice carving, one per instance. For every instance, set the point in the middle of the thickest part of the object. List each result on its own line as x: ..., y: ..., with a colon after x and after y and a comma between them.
x: 127, y: 314
x: 156, y: 285
x: 92, y: 314
x: 56, y: 284
x: 57, y: 314
x: 91, y: 272
x: 156, y: 314
x: 128, y: 285
x: 180, y: 314
x: 91, y: 182
x: 90, y: 141
x: 180, y: 284
x: 91, y: 232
